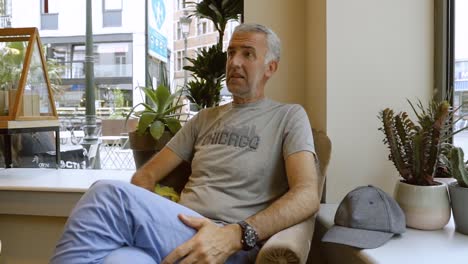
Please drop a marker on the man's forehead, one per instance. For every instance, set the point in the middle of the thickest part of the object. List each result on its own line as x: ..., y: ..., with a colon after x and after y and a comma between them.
x: 247, y: 40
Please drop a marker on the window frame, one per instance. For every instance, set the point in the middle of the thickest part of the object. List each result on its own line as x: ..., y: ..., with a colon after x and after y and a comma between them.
x: 444, y: 59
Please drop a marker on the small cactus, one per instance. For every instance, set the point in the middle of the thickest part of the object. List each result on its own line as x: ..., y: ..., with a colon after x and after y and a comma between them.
x: 459, y: 170
x: 415, y: 147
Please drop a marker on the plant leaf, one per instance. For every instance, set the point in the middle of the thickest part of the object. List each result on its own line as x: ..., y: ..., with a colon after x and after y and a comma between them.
x: 163, y: 94
x: 173, y: 125
x: 157, y: 129
x: 146, y: 119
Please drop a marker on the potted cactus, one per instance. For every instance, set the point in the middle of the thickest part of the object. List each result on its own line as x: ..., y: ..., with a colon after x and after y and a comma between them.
x: 415, y: 149
x: 459, y: 189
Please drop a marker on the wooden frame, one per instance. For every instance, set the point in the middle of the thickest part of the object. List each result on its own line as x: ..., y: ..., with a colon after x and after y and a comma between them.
x: 30, y: 35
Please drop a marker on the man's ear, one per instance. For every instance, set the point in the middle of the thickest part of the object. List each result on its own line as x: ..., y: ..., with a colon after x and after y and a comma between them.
x: 271, y: 68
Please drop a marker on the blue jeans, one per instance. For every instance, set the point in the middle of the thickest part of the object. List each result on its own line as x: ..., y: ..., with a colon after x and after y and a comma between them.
x: 117, y: 222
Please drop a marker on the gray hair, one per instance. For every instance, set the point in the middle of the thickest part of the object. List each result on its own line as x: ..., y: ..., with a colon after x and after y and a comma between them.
x: 273, y: 42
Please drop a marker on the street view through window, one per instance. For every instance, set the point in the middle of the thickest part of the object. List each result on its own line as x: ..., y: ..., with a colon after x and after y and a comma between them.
x: 136, y: 43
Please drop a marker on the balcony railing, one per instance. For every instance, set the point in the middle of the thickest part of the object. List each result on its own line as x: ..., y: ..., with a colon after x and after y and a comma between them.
x: 76, y: 70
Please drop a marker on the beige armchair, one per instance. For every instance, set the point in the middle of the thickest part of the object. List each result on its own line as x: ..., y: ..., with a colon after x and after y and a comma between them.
x: 291, y: 245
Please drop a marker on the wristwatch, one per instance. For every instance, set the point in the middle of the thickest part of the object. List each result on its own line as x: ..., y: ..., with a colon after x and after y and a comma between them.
x: 249, y: 236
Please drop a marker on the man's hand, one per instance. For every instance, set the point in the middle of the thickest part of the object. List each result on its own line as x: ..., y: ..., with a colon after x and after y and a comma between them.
x: 156, y: 169
x: 211, y: 244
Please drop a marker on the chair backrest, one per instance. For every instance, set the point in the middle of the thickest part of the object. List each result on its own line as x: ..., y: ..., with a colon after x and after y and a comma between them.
x: 323, y: 149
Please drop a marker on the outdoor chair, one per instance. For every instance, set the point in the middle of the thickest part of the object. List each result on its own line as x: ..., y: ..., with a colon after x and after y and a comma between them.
x: 291, y: 245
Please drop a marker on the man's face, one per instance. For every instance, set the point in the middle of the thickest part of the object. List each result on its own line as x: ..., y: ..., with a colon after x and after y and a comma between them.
x: 246, y: 72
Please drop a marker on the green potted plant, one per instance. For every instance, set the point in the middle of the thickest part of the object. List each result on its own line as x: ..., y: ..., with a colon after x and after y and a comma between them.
x: 209, y: 67
x: 459, y: 189
x: 415, y: 150
x: 158, y: 121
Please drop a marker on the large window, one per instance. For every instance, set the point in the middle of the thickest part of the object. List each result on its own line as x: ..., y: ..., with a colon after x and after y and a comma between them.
x: 458, y: 24
x: 112, y: 13
x: 49, y: 14
x: 204, y: 26
x: 179, y: 60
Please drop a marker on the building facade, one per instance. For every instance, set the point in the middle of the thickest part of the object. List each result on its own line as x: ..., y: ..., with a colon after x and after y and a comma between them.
x: 119, y: 44
x: 202, y: 35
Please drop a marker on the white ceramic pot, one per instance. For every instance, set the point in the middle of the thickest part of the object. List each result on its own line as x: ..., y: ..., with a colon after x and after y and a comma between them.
x: 425, y: 207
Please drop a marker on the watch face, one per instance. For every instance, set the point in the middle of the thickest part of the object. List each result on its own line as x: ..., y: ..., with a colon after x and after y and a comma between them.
x: 250, y: 237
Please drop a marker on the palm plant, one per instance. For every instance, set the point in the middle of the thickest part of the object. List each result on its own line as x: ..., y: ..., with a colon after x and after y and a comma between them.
x: 208, y: 73
x: 208, y: 68
x: 219, y: 12
x: 415, y: 148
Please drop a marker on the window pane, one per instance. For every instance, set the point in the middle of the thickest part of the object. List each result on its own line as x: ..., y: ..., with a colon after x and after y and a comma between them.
x: 11, y: 65
x: 36, y: 101
x: 460, y: 85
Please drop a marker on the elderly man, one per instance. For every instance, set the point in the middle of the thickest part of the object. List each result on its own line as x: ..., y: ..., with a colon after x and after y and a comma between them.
x: 253, y: 174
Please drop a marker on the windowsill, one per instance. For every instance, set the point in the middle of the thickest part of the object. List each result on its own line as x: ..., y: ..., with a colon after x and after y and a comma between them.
x: 48, y: 192
x: 414, y: 246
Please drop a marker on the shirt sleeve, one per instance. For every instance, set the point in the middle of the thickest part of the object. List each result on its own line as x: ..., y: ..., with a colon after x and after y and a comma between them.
x: 183, y: 142
x: 297, y: 132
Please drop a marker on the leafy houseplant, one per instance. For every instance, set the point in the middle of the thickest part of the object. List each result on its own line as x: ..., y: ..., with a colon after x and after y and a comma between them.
x: 415, y: 150
x: 160, y: 116
x: 208, y: 68
x: 158, y: 122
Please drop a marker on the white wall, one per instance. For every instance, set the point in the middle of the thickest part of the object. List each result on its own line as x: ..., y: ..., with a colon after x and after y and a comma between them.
x: 287, y: 19
x: 378, y: 54
x: 356, y: 58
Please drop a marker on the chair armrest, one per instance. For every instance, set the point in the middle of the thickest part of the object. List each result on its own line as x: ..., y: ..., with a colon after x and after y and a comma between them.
x: 290, y: 245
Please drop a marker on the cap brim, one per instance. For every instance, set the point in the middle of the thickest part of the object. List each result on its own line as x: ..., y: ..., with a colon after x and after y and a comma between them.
x: 359, y: 238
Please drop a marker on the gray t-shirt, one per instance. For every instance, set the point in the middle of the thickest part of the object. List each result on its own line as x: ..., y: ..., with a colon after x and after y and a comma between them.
x: 238, y: 154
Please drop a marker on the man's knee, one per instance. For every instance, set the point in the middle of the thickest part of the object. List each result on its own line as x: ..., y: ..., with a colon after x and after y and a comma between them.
x: 111, y: 188
x: 106, y: 184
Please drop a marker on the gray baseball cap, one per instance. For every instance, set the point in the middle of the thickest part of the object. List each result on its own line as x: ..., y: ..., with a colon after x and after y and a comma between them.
x: 366, y: 218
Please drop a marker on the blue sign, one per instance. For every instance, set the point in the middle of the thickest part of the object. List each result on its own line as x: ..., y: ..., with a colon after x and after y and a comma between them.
x: 157, y: 44
x: 159, y: 12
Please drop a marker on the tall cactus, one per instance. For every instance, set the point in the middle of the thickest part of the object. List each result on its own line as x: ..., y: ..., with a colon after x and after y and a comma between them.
x: 415, y: 148
x: 458, y: 166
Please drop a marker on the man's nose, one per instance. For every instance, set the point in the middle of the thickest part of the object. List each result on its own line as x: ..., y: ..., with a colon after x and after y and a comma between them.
x: 235, y: 60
